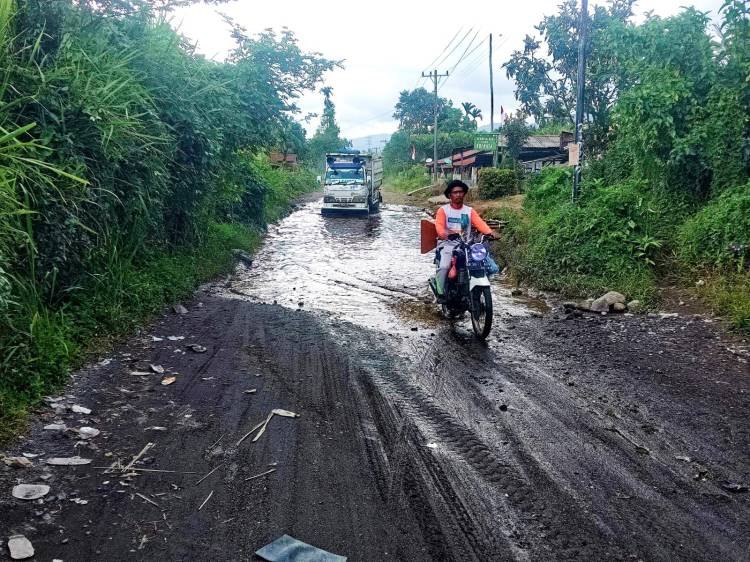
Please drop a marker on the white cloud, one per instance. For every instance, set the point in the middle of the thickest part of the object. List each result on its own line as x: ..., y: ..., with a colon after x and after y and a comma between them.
x: 387, y: 44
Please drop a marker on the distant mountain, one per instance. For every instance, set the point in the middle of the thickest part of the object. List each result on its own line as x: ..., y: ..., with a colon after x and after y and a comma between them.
x: 370, y: 142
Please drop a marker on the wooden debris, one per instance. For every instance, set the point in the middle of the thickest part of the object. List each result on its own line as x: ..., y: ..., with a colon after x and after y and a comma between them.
x: 147, y: 499
x: 261, y: 474
x: 138, y: 456
x: 206, y: 500
x: 217, y: 467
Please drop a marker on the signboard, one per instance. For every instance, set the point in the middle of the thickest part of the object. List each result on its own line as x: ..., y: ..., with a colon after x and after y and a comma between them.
x: 574, y: 154
x: 485, y: 142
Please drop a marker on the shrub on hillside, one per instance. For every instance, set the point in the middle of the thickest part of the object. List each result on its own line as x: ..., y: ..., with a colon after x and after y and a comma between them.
x: 608, y: 240
x: 411, y: 178
x: 548, y: 189
x: 719, y: 234
x: 497, y: 182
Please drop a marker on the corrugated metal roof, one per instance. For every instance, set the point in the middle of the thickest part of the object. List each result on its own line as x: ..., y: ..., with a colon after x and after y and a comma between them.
x: 537, y: 141
x: 543, y: 141
x: 465, y: 154
x: 465, y: 162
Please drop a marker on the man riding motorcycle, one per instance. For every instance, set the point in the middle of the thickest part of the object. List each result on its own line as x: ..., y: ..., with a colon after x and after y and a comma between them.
x: 453, y: 221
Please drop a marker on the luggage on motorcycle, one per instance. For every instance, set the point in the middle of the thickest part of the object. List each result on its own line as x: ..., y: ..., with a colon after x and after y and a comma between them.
x: 428, y: 236
x: 453, y: 272
x: 491, y: 265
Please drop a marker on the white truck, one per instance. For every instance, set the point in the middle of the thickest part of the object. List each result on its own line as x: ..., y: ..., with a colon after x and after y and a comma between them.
x: 352, y: 183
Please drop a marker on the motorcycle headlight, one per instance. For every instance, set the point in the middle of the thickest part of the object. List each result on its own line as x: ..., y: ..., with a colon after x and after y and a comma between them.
x: 478, y: 252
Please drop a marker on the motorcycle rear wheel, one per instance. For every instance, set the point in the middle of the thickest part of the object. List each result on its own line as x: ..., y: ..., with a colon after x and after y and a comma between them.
x: 481, y: 311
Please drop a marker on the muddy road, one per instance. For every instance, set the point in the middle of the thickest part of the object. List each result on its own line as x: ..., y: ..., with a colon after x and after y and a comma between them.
x: 561, y: 437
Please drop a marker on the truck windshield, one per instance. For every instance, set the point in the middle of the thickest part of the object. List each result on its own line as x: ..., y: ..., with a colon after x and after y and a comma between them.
x: 344, y: 176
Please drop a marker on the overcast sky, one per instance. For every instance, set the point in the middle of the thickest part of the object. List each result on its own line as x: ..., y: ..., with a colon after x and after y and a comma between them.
x: 387, y: 44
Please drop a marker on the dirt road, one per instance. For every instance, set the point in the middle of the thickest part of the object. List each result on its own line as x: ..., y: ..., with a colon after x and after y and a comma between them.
x: 562, y: 437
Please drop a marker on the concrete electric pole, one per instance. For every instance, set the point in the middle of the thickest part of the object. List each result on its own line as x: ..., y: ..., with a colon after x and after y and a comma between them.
x: 434, y: 76
x: 492, y: 93
x: 580, y: 98
x: 492, y: 108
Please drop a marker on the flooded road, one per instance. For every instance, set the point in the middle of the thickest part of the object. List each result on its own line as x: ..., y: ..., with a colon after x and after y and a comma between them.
x: 561, y: 437
x: 366, y: 270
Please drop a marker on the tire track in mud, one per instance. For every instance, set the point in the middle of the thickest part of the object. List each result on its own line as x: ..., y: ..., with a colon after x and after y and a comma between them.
x: 532, y: 523
x: 621, y: 491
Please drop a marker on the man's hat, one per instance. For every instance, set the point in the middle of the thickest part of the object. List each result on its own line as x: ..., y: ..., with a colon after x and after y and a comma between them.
x: 455, y: 183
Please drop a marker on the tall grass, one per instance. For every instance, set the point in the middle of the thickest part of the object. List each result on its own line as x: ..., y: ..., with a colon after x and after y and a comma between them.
x: 129, y: 167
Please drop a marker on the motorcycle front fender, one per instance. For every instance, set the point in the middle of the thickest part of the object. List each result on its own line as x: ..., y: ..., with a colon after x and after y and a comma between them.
x: 478, y: 282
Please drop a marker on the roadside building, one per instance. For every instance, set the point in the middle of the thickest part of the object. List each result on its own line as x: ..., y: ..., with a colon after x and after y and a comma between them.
x: 539, y: 151
x: 281, y: 160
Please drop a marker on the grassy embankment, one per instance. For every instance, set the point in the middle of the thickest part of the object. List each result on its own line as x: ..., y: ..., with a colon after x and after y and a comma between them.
x: 626, y: 238
x: 665, y: 194
x: 42, y: 343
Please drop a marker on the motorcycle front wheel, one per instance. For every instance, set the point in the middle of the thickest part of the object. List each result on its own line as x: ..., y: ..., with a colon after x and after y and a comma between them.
x: 481, y: 311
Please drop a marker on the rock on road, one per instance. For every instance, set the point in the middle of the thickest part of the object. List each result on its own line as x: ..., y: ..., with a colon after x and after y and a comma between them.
x: 593, y: 438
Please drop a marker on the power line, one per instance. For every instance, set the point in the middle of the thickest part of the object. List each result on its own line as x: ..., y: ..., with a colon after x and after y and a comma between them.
x: 457, y: 45
x: 463, y: 55
x: 444, y: 49
x: 470, y: 66
x: 421, y: 80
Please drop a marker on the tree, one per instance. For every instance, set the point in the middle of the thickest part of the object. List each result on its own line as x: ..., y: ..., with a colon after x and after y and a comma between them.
x: 327, y: 137
x: 546, y: 83
x: 414, y: 110
x: 472, y: 110
x: 516, y: 134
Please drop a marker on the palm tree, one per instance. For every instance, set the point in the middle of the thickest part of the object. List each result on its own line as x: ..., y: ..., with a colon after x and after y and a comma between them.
x: 472, y: 111
x: 468, y: 107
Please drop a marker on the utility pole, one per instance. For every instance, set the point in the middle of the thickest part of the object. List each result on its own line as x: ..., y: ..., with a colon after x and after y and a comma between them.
x: 435, y: 77
x: 492, y: 108
x: 492, y: 93
x: 580, y: 95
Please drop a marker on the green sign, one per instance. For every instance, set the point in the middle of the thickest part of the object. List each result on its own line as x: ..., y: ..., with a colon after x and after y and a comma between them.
x: 485, y: 141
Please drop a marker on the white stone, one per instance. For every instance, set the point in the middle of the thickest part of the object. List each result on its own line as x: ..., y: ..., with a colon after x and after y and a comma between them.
x: 88, y: 432
x: 20, y: 547
x: 18, y: 462
x: 67, y: 461
x: 30, y: 491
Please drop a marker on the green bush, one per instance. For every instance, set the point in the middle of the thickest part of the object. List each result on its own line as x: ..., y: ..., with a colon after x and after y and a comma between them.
x: 719, y: 234
x: 549, y: 189
x: 410, y: 179
x: 610, y: 240
x: 728, y: 294
x: 497, y: 182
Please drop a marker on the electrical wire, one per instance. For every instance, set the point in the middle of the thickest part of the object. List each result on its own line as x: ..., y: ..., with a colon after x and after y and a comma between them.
x: 420, y: 82
x: 457, y: 45
x: 462, y: 57
x: 426, y: 68
x: 474, y: 50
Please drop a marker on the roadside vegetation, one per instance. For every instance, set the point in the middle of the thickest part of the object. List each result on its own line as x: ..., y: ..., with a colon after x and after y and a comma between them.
x: 665, y: 195
x: 130, y: 166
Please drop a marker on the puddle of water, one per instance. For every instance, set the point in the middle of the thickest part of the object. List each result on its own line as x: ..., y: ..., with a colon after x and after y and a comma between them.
x: 367, y: 270
x: 357, y: 268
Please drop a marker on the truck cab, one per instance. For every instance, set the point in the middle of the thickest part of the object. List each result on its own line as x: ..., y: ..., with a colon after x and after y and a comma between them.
x: 352, y: 183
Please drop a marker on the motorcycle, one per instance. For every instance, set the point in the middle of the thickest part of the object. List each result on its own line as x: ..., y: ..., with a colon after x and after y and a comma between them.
x: 468, y: 287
